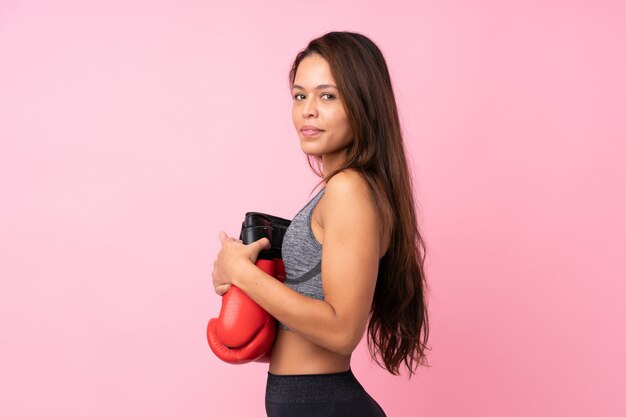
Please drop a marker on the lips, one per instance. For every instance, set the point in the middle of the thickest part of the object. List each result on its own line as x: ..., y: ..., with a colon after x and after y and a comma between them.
x: 308, y: 131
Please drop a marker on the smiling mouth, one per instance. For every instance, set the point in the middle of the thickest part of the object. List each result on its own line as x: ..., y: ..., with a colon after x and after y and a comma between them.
x: 310, y: 132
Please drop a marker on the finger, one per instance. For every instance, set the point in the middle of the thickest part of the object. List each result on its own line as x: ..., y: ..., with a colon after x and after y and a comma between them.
x: 222, y: 289
x: 223, y: 236
x: 264, y: 243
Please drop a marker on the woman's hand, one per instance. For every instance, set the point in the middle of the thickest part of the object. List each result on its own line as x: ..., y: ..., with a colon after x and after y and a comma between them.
x: 232, y: 258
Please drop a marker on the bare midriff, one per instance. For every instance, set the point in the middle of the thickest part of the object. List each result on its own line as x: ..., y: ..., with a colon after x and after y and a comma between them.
x: 292, y: 354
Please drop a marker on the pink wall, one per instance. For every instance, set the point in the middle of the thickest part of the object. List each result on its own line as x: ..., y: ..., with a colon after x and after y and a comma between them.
x: 132, y: 132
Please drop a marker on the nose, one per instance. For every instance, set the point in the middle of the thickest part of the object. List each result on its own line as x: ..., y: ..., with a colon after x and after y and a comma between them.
x: 309, y: 109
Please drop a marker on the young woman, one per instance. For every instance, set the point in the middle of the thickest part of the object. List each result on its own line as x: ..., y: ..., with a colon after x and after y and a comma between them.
x: 353, y: 255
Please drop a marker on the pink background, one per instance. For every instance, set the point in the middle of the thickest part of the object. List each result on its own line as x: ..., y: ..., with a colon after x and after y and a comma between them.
x: 132, y: 132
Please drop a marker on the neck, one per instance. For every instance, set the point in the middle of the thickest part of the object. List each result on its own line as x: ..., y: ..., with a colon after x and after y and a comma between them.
x: 332, y: 162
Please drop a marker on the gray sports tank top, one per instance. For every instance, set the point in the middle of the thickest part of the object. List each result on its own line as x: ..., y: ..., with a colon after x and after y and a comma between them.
x: 302, y: 254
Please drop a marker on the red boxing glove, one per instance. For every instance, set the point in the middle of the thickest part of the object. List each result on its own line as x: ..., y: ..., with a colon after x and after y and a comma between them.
x: 279, y: 274
x: 243, y: 332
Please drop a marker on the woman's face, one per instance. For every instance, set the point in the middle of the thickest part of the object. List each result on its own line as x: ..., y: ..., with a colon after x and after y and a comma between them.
x: 318, y: 113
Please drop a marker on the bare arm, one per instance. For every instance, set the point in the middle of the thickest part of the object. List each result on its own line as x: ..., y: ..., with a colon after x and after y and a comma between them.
x: 350, y: 257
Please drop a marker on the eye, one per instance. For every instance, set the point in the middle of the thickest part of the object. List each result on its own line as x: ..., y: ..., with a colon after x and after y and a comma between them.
x: 295, y: 96
x: 330, y: 96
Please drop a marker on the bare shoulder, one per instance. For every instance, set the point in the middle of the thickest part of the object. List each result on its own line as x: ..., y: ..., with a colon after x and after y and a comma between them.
x: 348, y: 183
x: 348, y: 204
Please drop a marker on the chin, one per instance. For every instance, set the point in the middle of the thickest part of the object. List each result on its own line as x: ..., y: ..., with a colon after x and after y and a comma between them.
x: 309, y: 148
x: 311, y: 153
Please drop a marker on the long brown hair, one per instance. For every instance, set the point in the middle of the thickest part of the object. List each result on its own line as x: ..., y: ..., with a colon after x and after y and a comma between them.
x: 398, y: 317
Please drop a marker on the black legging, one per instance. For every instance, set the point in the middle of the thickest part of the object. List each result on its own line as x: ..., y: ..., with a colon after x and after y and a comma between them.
x: 319, y: 395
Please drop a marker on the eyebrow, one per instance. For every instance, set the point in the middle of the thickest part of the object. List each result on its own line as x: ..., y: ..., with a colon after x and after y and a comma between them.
x: 319, y: 87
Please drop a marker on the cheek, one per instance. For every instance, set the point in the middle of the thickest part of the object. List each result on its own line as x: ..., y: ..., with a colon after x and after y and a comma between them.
x: 337, y: 119
x: 346, y: 130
